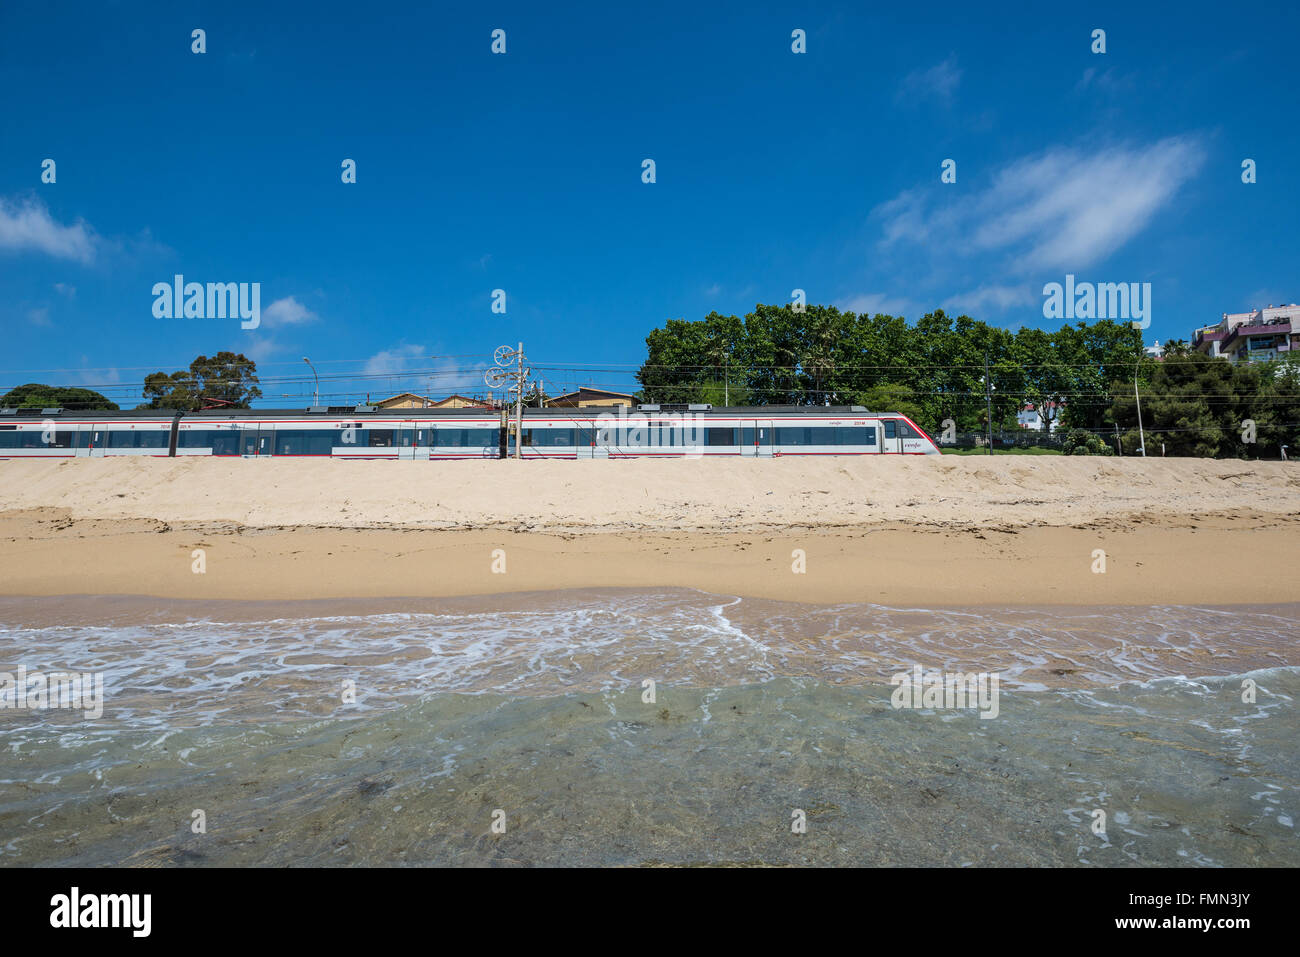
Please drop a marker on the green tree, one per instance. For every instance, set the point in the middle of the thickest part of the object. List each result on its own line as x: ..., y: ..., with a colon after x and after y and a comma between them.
x: 34, y: 395
x: 227, y: 379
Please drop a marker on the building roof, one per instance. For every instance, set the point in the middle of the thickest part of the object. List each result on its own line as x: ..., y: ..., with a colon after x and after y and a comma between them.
x: 588, y: 390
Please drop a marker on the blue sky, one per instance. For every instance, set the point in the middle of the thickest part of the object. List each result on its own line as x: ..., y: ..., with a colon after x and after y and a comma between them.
x: 775, y: 171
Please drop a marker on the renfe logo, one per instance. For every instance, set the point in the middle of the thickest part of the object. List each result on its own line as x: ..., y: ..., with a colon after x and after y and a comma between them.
x: 103, y: 910
x: 218, y: 300
x: 1105, y: 300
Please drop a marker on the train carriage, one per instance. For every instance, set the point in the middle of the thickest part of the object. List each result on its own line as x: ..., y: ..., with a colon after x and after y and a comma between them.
x: 364, y: 432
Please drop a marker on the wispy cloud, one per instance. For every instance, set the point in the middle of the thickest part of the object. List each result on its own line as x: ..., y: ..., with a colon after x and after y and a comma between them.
x: 1060, y: 209
x: 39, y: 316
x: 395, y: 361
x: 287, y: 311
x: 999, y: 297
x: 1110, y: 82
x: 938, y: 83
x: 873, y: 303
x: 27, y: 226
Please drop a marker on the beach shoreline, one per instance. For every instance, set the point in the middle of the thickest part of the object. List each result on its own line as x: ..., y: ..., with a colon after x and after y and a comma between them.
x: 1211, y: 560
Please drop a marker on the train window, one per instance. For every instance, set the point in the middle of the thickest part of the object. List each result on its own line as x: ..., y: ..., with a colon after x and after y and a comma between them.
x: 220, y: 442
x: 906, y: 431
x: 823, y: 435
x: 138, y: 439
x: 714, y: 437
x: 793, y: 435
x: 304, y: 441
x: 891, y: 429
x: 9, y: 439
x: 379, y: 438
x: 444, y: 438
x: 546, y: 437
x: 855, y: 436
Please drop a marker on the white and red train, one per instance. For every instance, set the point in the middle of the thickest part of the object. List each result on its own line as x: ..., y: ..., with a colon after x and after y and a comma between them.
x: 365, y: 432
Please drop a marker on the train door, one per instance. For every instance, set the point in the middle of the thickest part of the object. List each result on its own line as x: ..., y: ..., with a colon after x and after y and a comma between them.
x: 585, y: 439
x: 421, y: 443
x: 96, y: 439
x: 254, y: 442
x: 756, y: 439
x: 893, y: 441
x: 404, y: 438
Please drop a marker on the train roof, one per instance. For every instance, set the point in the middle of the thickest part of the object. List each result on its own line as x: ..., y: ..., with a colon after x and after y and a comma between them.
x: 733, y: 411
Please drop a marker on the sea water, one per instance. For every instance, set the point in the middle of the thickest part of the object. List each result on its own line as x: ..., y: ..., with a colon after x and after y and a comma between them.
x: 665, y: 727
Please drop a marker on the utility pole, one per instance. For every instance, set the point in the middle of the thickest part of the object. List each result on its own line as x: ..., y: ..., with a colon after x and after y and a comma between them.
x: 518, y: 379
x: 519, y: 405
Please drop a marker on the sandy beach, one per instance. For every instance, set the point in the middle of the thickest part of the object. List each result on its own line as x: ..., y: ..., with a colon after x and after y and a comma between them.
x: 936, y: 531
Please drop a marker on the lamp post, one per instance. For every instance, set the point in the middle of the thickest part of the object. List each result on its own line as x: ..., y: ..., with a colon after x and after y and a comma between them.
x: 1142, y: 439
x: 316, y: 393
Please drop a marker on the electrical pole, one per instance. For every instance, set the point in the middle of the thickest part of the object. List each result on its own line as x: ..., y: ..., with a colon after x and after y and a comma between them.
x: 519, y: 406
x: 496, y: 378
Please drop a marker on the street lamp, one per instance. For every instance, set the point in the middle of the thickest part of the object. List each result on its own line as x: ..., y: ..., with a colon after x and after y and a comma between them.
x: 316, y: 393
x: 1142, y: 439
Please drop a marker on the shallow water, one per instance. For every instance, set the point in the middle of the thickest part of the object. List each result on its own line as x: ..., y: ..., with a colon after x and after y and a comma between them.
x: 533, y: 706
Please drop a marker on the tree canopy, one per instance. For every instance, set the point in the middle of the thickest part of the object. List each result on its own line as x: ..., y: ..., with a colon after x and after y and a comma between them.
x: 34, y: 395
x: 227, y: 379
x: 931, y: 371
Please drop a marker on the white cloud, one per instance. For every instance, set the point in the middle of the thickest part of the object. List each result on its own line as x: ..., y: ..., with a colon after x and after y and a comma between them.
x: 261, y: 348
x: 1062, y: 209
x: 394, y: 361
x: 449, y: 377
x: 869, y: 304
x: 1000, y: 297
x: 27, y: 225
x: 39, y: 316
x: 1109, y: 82
x: 63, y: 289
x: 288, y: 311
x: 939, y: 82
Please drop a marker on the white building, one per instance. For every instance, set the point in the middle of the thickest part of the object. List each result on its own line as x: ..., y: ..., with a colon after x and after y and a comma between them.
x: 1031, y: 418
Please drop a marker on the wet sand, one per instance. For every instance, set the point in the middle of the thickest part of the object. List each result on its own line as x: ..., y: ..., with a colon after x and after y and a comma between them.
x: 1214, y: 559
